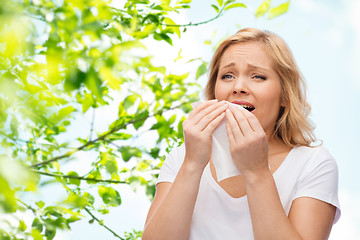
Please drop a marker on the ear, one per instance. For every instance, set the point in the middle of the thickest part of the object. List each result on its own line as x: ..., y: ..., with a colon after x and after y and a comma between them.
x: 283, y: 102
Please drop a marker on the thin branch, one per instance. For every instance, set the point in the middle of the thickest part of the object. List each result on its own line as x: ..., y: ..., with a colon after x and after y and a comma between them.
x: 28, y: 141
x: 102, y: 224
x: 102, y: 137
x: 27, y: 206
x: 188, y: 24
x: 195, y: 24
x: 78, y: 177
x: 111, y: 143
x: 92, y: 124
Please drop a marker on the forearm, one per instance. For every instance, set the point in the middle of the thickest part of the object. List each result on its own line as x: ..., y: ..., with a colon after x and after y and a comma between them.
x: 268, y: 217
x: 173, y: 217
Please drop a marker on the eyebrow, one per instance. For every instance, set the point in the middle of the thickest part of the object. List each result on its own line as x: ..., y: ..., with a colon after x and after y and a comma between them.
x: 249, y: 65
x: 257, y: 67
x: 229, y: 65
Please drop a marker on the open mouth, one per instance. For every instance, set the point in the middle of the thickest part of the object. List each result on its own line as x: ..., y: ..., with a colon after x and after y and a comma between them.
x: 248, y: 108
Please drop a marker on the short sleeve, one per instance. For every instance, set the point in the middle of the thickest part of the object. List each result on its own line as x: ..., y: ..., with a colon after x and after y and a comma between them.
x: 171, y: 165
x: 320, y: 180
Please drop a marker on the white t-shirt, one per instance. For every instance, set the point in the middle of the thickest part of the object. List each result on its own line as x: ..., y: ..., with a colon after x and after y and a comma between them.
x: 305, y: 172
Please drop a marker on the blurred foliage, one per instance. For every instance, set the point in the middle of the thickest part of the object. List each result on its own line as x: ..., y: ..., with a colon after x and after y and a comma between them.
x: 61, y: 60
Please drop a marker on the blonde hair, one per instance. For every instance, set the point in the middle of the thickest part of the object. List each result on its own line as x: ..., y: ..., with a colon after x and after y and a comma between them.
x: 293, y: 126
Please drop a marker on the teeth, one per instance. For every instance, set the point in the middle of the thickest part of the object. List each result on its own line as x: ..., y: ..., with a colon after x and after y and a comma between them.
x: 245, y: 106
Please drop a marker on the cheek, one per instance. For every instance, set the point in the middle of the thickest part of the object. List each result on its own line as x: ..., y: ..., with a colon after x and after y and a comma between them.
x: 272, y: 96
x: 222, y: 90
x: 218, y: 90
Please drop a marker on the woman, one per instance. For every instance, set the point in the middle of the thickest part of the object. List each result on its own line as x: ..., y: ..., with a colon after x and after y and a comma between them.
x: 287, y: 189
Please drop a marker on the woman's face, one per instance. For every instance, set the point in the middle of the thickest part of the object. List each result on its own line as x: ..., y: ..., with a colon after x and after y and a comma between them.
x: 246, y: 77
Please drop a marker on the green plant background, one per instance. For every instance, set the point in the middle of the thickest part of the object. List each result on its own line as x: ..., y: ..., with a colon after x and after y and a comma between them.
x: 93, y: 93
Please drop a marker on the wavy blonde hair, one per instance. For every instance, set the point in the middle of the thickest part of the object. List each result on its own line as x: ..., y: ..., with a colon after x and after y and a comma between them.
x: 293, y: 126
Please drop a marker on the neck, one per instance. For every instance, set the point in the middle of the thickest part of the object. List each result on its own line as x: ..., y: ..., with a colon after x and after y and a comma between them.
x: 276, y: 145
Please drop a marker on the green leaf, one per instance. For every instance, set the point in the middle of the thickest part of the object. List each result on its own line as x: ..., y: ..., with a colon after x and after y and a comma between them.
x: 74, y: 79
x: 50, y: 233
x: 263, y: 8
x: 220, y: 2
x: 154, y: 152
x: 64, y: 112
x: 40, y: 204
x: 169, y: 21
x: 95, y: 175
x: 150, y: 191
x: 235, y: 5
x: 103, y: 211
x: 201, y: 70
x: 229, y: 1
x: 73, y: 180
x: 129, y: 101
x: 128, y: 152
x: 279, y: 10
x: 184, y: 2
x: 75, y: 200
x: 172, y: 119
x: 87, y: 102
x: 109, y: 162
x: 36, y: 234
x: 109, y: 196
x: 143, y: 165
x: 179, y: 56
x: 36, y: 224
x: 216, y: 8
x: 53, y: 210
x: 90, y: 198
x: 141, y: 118
x: 163, y: 36
x: 180, y: 128
x: 22, y: 226
x: 165, y: 2
x: 152, y: 18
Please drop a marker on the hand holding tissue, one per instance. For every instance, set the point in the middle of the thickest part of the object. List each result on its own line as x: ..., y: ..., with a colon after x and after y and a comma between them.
x: 220, y: 150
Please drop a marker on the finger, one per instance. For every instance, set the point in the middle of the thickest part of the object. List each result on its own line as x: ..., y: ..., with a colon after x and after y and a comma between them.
x: 209, y: 117
x: 242, y: 120
x: 253, y: 121
x: 230, y: 133
x: 205, y: 111
x: 210, y: 128
x: 234, y: 126
x: 200, y: 107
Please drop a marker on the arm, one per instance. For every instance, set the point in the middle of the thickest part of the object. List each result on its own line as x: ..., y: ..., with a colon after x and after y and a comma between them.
x: 248, y: 145
x: 171, y: 211
x: 309, y: 218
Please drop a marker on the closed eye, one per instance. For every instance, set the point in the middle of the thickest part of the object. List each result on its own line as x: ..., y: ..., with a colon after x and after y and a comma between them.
x: 259, y: 77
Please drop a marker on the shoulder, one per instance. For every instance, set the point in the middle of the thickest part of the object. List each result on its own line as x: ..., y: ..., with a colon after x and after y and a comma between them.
x: 313, y: 155
x: 312, y: 151
x: 177, y: 154
x: 172, y: 164
x: 316, y: 164
x: 311, y: 162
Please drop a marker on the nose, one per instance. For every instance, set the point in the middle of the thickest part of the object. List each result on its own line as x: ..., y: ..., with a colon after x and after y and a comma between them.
x: 240, y: 87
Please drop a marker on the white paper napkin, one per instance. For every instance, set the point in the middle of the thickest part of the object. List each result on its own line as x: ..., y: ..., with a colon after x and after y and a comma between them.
x: 220, y: 151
